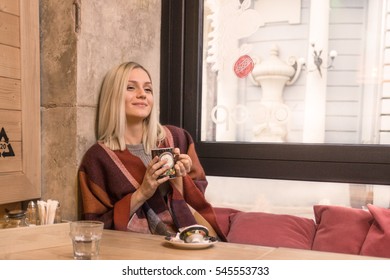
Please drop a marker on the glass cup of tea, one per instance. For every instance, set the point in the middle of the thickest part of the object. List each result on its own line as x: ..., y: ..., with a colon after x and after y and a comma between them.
x: 86, y: 236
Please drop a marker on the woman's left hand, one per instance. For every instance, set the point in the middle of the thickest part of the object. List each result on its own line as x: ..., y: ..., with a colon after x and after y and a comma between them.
x: 183, y: 163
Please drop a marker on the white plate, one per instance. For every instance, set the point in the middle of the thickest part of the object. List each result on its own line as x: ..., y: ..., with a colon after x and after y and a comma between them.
x: 183, y: 245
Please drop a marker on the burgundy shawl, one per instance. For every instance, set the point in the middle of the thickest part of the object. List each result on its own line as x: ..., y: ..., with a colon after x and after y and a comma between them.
x: 107, y: 180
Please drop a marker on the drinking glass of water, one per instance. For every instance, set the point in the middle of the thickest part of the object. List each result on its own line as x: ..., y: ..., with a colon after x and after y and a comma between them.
x: 86, y: 236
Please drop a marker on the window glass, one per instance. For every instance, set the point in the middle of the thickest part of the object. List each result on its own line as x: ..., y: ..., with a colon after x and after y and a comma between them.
x: 292, y: 197
x: 312, y: 72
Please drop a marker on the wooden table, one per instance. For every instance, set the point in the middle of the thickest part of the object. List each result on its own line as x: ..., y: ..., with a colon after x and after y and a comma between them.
x: 117, y: 245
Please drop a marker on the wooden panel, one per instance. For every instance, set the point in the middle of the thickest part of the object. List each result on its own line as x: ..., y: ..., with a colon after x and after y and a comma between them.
x: 384, y: 138
x: 387, y: 20
x: 345, y: 47
x: 346, y: 31
x: 45, y: 236
x: 385, y: 123
x: 386, y: 58
x: 387, y: 39
x: 342, y: 123
x: 15, y: 186
x: 347, y: 15
x: 342, y: 109
x: 10, y: 6
x: 341, y: 137
x: 10, y: 94
x: 347, y: 4
x: 11, y: 163
x: 9, y: 62
x: 31, y: 128
x: 11, y: 121
x: 342, y: 78
x: 23, y: 125
x: 386, y: 89
x: 279, y: 32
x: 349, y: 93
x: 9, y: 30
x: 346, y: 62
x: 386, y: 73
x: 385, y: 106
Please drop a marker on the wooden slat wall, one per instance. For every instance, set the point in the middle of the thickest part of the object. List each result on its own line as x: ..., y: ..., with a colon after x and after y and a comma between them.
x: 10, y: 6
x: 10, y: 94
x: 9, y: 62
x: 344, y: 106
x: 9, y: 34
x: 10, y: 89
x: 19, y: 101
x: 12, y: 164
x: 10, y: 85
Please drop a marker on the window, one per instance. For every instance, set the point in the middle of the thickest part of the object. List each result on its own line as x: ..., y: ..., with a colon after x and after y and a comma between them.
x: 182, y: 70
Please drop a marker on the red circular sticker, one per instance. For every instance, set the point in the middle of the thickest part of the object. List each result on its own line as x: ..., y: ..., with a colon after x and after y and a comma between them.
x: 243, y: 66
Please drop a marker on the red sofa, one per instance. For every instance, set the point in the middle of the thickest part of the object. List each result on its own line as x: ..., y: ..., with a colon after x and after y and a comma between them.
x: 335, y: 229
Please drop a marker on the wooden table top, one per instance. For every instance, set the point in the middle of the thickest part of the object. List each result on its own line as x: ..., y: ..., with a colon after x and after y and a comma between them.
x: 118, y: 245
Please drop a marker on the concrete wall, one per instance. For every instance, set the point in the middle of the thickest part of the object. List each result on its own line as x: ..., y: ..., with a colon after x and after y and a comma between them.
x: 77, y: 49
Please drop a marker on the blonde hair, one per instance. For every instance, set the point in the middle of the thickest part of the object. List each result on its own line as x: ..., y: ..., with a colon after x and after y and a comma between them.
x: 111, y: 121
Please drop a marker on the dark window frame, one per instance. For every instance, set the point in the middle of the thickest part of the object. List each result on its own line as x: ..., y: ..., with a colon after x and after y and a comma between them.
x: 180, y: 101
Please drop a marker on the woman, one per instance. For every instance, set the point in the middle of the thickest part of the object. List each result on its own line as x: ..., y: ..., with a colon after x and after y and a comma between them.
x: 121, y: 183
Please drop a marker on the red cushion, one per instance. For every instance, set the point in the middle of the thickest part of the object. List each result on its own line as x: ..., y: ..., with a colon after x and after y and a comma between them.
x: 377, y: 242
x: 340, y: 229
x: 273, y: 230
x: 223, y: 218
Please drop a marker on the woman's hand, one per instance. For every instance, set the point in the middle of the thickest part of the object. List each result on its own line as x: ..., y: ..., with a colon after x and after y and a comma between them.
x: 183, y: 166
x: 183, y: 163
x: 151, y: 181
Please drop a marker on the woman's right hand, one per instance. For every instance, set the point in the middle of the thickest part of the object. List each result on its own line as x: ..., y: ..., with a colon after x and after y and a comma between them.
x: 151, y: 182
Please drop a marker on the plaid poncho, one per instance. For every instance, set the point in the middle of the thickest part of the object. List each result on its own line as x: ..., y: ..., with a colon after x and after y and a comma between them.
x: 107, y: 180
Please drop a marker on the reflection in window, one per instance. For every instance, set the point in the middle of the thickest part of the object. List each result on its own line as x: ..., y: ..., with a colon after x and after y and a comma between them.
x: 279, y: 102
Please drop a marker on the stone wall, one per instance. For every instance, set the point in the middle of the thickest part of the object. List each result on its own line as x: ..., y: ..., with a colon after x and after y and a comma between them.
x: 80, y: 41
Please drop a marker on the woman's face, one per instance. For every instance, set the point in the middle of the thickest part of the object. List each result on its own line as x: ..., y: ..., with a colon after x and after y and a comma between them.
x: 139, y: 96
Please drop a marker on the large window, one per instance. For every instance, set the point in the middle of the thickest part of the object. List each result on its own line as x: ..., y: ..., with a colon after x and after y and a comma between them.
x: 223, y: 112
x: 306, y: 73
